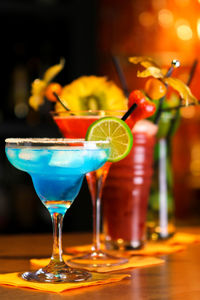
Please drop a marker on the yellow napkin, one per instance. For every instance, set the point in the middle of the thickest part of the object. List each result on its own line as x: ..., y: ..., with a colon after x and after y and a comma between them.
x: 13, y: 279
x: 133, y: 262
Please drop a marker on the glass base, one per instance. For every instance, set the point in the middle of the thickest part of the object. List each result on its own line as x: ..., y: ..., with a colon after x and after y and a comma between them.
x: 155, y: 232
x: 59, y: 274
x: 123, y: 245
x: 95, y: 260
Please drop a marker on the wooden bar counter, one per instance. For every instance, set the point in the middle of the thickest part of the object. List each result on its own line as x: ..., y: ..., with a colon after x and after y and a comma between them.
x: 178, y: 278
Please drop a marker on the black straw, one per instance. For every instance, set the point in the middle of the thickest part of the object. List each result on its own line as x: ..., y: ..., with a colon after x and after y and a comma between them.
x: 131, y: 109
x: 59, y: 100
x: 192, y: 71
x: 121, y: 75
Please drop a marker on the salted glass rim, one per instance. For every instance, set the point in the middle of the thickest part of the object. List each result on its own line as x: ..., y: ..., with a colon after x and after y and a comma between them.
x: 54, y: 142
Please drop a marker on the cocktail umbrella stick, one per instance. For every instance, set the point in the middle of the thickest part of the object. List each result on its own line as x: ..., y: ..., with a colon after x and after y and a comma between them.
x: 174, y: 64
x: 173, y: 121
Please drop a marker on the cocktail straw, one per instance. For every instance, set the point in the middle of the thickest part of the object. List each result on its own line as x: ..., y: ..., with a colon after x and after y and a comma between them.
x: 121, y: 76
x: 192, y: 72
x: 173, y: 121
x: 124, y: 86
x: 129, y: 111
x: 60, y: 101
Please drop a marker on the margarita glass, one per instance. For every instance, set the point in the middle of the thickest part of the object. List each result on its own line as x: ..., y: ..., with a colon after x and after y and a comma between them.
x: 57, y: 168
x: 74, y: 124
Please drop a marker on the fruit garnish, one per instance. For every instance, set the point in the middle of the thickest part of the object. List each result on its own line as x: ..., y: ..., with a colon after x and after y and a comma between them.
x: 53, y: 71
x: 83, y: 94
x: 39, y: 86
x: 145, y: 61
x: 184, y: 91
x: 92, y: 93
x: 37, y: 91
x: 151, y: 69
x: 145, y: 108
x: 114, y: 130
x: 52, y: 88
x: 155, y: 88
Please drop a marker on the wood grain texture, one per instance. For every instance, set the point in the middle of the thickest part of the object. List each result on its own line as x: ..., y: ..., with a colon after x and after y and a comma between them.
x: 178, y: 278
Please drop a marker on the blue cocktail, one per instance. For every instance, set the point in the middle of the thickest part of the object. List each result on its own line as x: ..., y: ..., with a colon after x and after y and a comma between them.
x: 57, y: 168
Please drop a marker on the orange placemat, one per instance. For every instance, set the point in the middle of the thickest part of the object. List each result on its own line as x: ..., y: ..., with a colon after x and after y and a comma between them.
x: 13, y: 279
x: 175, y: 244
x: 182, y: 238
x: 133, y: 262
x: 151, y: 248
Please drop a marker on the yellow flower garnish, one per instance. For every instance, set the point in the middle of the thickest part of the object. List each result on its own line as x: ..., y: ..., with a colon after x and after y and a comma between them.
x: 39, y: 85
x: 92, y: 92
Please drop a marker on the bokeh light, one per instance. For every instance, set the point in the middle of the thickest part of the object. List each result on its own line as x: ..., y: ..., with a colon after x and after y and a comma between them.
x: 165, y: 18
x: 183, y: 30
x: 146, y: 19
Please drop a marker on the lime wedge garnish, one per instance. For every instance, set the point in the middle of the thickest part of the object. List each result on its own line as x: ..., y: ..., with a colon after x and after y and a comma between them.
x: 116, y: 132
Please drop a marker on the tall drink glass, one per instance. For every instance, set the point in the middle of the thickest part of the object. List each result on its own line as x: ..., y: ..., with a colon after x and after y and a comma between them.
x: 57, y: 168
x: 74, y: 124
x: 161, y: 218
x: 126, y: 192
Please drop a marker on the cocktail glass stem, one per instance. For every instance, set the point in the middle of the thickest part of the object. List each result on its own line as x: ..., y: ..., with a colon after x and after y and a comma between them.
x: 96, y: 257
x: 57, y: 270
x: 56, y: 264
x: 57, y: 220
x: 96, y: 181
x: 97, y: 215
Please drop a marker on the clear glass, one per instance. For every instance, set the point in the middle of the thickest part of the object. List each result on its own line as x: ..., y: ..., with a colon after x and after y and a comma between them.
x: 74, y: 124
x: 160, y: 222
x: 161, y: 212
x: 57, y: 168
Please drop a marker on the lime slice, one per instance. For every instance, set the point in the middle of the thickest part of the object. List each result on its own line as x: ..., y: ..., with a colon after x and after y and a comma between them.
x: 114, y: 130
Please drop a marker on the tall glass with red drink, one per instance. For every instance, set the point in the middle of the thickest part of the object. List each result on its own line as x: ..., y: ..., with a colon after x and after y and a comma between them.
x: 126, y: 192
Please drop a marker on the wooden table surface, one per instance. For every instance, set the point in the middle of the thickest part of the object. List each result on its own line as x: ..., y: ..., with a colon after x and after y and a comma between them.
x: 178, y: 278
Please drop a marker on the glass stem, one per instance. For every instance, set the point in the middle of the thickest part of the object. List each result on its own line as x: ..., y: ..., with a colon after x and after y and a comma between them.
x: 57, y: 220
x: 97, y: 215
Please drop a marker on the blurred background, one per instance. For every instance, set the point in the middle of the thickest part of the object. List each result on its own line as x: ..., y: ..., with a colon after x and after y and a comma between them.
x: 35, y: 34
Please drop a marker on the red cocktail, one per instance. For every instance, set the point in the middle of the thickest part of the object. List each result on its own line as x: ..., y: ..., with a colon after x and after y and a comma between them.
x: 74, y: 126
x: 126, y: 192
